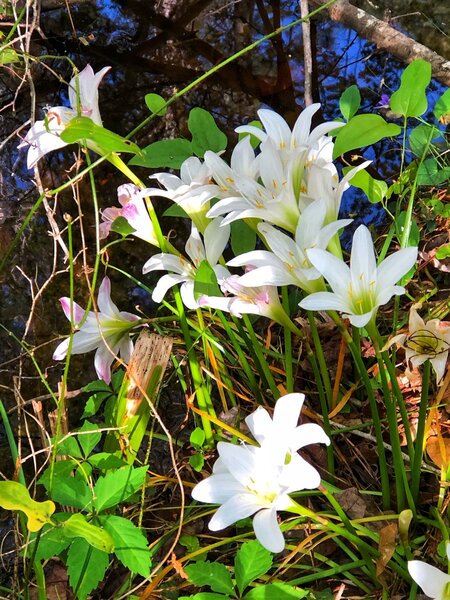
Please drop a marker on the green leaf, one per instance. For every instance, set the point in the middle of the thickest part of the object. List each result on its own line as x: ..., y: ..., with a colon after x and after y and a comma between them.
x: 130, y: 545
x: 420, y: 138
x: 106, y: 461
x: 363, y: 130
x: 61, y: 470
x: 205, y: 596
x: 156, y: 104
x: 430, y: 173
x: 443, y: 252
x: 165, y: 153
x: 86, y: 567
x: 275, y: 591
x: 120, y: 225
x: 72, y: 492
x: 442, y: 107
x: 83, y: 128
x: 190, y: 542
x: 197, y: 462
x: 175, y: 210
x: 410, y: 100
x: 117, y: 486
x: 197, y: 438
x: 93, y: 403
x: 349, y: 102
x: 15, y: 496
x: 69, y: 446
x: 252, y: 560
x: 254, y: 141
x: 88, y: 441
x: 214, y: 575
x: 8, y: 56
x: 205, y: 283
x: 51, y: 543
x: 205, y: 133
x: 243, y: 237
x: 77, y: 526
x: 96, y: 386
x: 375, y: 189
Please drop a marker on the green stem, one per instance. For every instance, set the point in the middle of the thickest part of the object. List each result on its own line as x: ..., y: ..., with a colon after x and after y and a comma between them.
x: 321, y: 358
x: 288, y: 362
x: 420, y: 435
x: 256, y: 346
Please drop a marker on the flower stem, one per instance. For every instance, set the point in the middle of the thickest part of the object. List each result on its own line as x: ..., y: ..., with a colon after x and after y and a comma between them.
x: 419, y: 446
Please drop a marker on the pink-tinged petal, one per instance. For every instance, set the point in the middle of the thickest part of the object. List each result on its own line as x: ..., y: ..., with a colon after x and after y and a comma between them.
x: 164, y: 284
x: 78, y: 312
x: 395, y: 266
x: 237, y: 507
x: 102, y: 363
x: 84, y: 341
x: 324, y: 301
x: 217, y: 489
x: 309, y: 433
x: 61, y: 350
x: 126, y: 316
x: 125, y: 348
x: 267, y: 275
x: 260, y: 424
x: 432, y: 581
x: 267, y: 530
x: 105, y: 304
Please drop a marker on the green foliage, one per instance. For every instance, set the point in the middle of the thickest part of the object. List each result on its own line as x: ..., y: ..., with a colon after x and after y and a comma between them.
x: 349, y: 102
x: 9, y: 56
x: 252, y: 560
x: 15, y: 496
x: 254, y: 141
x: 130, y: 545
x: 421, y: 136
x: 83, y: 128
x: 442, y: 107
x: 375, y: 189
x: 214, y: 575
x: 243, y: 237
x: 86, y: 567
x: 205, y: 133
x: 117, y: 486
x: 164, y: 153
x: 430, y: 172
x: 414, y: 232
x: 121, y: 226
x: 77, y: 526
x: 361, y: 131
x: 205, y: 283
x: 197, y: 440
x: 410, y: 99
x: 156, y: 104
x: 275, y: 591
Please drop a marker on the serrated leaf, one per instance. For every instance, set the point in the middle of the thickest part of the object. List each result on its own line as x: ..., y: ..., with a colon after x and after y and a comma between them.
x: 214, y: 575
x: 375, y: 189
x: 61, y: 470
x: 130, y: 545
x: 96, y: 386
x: 363, y: 130
x: 77, y: 526
x: 275, y: 591
x: 15, y: 496
x: 86, y: 567
x: 410, y: 100
x: 156, y: 104
x: 106, y: 461
x: 165, y: 153
x: 83, y: 128
x: 205, y: 283
x: 120, y: 225
x: 69, y: 446
x: 243, y: 237
x: 117, y: 486
x: 442, y: 107
x: 71, y: 492
x: 205, y: 133
x: 349, y: 102
x: 190, y: 542
x: 88, y: 441
x: 93, y: 404
x: 252, y: 560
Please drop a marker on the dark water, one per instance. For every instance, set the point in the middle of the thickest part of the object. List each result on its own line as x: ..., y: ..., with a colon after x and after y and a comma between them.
x: 161, y: 47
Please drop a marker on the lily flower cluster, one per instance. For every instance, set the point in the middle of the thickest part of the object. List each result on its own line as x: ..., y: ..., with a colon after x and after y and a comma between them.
x: 257, y: 480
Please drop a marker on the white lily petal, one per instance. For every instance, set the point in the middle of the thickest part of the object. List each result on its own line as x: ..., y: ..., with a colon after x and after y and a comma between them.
x: 432, y: 581
x: 396, y: 265
x: 216, y: 238
x: 335, y: 271
x: 287, y: 411
x: 217, y: 488
x: 260, y: 424
x: 236, y: 508
x: 187, y: 295
x: 362, y: 261
x: 102, y: 362
x: 309, y: 433
x: 105, y: 304
x: 267, y: 530
x: 324, y: 301
x: 164, y: 284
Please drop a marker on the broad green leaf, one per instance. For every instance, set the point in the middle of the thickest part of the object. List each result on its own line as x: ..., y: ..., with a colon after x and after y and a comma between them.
x: 69, y: 446
x: 88, y: 441
x: 205, y: 133
x: 175, y: 210
x: 420, y: 138
x: 93, y: 403
x: 205, y: 596
x: 165, y: 153
x: 275, y: 591
x: 252, y: 560
x: 51, y: 543
x: 410, y: 100
x: 363, y: 130
x: 243, y: 237
x: 117, y: 486
x: 442, y: 108
x: 205, y: 283
x: 130, y: 545
x: 8, y: 56
x: 71, y: 492
x: 430, y: 173
x: 214, y: 575
x: 61, y: 470
x: 83, y: 128
x: 86, y: 567
x: 156, y: 104
x: 15, y: 496
x: 375, y: 189
x: 254, y: 141
x: 197, y: 462
x: 121, y: 226
x: 349, y: 102
x: 76, y: 526
x: 105, y: 461
x: 443, y: 252
x: 96, y: 386
x: 197, y: 438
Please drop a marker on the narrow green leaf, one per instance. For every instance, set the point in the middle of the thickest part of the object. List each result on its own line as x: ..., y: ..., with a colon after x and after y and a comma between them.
x: 86, y: 567
x: 77, y: 526
x: 442, y: 107
x: 205, y: 133
x: 165, y: 153
x: 130, y: 545
x: 410, y: 100
x: 363, y: 130
x: 15, y: 496
x: 252, y: 560
x: 275, y: 591
x: 156, y: 104
x: 117, y: 486
x: 243, y: 237
x: 83, y: 128
x: 88, y: 441
x: 375, y: 189
x: 214, y: 575
x: 349, y: 102
x: 205, y: 283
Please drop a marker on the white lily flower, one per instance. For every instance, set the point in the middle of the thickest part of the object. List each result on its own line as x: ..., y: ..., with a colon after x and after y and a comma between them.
x: 248, y: 480
x: 432, y: 580
x: 133, y: 210
x: 425, y: 341
x: 182, y: 271
x: 107, y: 330
x: 358, y: 291
x: 288, y: 263
x: 191, y: 191
x: 44, y: 136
